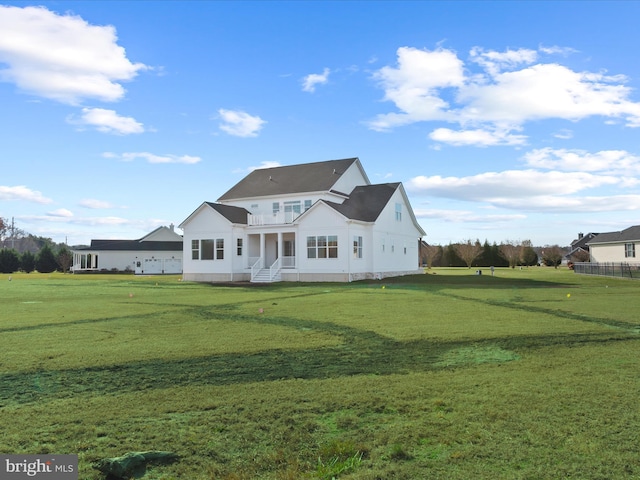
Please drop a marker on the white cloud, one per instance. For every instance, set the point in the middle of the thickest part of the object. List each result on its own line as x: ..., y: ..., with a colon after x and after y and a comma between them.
x: 466, y: 216
x: 61, y: 212
x: 239, y: 123
x: 494, y: 187
x: 21, y: 192
x: 510, y: 89
x: 613, y: 162
x: 95, y: 204
x: 416, y: 85
x: 153, y: 158
x: 62, y: 57
x: 565, y: 204
x: 108, y: 121
x: 493, y: 62
x: 478, y: 137
x: 310, y: 81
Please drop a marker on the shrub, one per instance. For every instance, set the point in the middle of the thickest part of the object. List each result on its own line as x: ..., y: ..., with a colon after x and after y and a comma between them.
x: 9, y: 260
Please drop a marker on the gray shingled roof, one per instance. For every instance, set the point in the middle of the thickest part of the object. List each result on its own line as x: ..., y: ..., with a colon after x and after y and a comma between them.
x: 133, y: 245
x: 584, y: 241
x: 306, y: 177
x: 626, y: 235
x: 366, y: 202
x: 231, y: 213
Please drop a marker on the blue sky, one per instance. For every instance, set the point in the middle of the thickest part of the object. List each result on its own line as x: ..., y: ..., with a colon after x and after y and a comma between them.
x: 504, y: 120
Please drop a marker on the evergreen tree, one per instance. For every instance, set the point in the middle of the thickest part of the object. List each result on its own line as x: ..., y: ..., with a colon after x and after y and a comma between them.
x: 46, y: 260
x: 9, y: 261
x: 450, y: 257
x: 27, y: 262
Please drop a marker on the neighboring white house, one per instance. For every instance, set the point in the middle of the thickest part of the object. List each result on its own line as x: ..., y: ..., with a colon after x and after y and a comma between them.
x: 320, y: 221
x: 616, y: 247
x: 159, y: 252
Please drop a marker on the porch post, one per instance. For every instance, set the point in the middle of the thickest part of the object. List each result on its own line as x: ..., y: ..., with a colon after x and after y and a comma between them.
x: 280, y: 247
x: 262, y: 264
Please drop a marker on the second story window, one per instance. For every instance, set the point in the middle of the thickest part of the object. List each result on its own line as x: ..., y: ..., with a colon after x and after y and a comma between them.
x: 398, y: 212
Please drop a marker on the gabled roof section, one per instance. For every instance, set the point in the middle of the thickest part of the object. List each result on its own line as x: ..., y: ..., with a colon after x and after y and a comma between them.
x: 631, y: 234
x: 366, y: 202
x: 231, y: 213
x: 581, y: 242
x: 134, y: 246
x: 302, y: 178
x: 162, y: 234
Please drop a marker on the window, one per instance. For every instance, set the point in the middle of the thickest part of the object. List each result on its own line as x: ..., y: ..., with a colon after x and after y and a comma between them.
x: 291, y: 210
x: 629, y: 250
x: 312, y: 251
x: 209, y: 249
x: 276, y: 207
x: 239, y: 247
x: 357, y: 247
x: 398, y: 212
x: 206, y: 249
x: 307, y: 205
x: 220, y: 249
x: 322, y: 246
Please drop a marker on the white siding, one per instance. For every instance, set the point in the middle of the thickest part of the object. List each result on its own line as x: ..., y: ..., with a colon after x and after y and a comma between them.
x: 613, y: 253
x: 395, y: 242
x: 207, y: 224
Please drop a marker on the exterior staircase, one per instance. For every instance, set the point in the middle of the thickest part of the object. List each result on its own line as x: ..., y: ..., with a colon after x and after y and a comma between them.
x: 264, y: 276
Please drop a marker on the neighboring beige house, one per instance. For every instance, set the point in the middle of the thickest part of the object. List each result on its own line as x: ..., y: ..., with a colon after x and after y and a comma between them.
x: 321, y: 221
x: 157, y: 253
x: 616, y: 247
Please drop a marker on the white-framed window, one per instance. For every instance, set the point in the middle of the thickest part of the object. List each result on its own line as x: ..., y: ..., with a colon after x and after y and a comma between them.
x: 629, y: 250
x: 307, y: 205
x: 219, y: 248
x: 357, y: 246
x: 206, y: 249
x: 398, y: 212
x: 276, y: 207
x: 195, y: 249
x: 239, y: 247
x: 322, y: 246
x: 292, y: 209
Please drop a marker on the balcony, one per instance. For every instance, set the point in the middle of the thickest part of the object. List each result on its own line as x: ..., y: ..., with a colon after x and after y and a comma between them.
x: 280, y: 218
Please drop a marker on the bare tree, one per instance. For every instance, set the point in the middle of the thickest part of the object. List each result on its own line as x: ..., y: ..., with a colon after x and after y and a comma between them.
x: 552, y: 256
x: 64, y: 259
x: 468, y: 251
x: 430, y: 253
x: 4, y: 229
x: 511, y: 251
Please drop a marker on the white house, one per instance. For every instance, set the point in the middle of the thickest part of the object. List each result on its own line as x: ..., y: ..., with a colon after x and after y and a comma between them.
x: 159, y: 252
x: 320, y: 221
x: 616, y: 247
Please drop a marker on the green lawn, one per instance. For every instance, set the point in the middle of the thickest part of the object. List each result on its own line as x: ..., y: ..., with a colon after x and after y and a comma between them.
x: 527, y: 374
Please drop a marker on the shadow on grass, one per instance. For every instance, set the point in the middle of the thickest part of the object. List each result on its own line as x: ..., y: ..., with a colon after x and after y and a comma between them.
x: 362, y: 353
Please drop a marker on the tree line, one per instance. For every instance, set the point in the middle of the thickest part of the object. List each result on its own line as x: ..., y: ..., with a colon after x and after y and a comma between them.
x: 20, y: 251
x: 475, y: 254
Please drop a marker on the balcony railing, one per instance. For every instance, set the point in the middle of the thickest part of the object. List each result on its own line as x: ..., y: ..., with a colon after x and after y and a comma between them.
x: 279, y: 218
